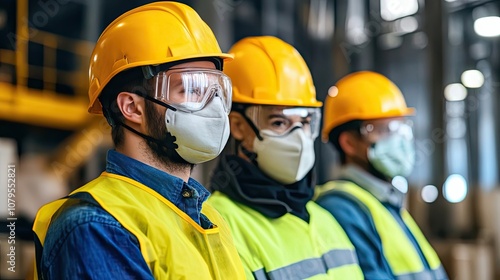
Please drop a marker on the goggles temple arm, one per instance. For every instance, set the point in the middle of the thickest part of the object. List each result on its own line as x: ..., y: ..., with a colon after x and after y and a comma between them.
x: 149, y: 98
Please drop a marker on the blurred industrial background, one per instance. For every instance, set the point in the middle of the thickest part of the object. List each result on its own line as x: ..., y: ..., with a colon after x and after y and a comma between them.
x: 444, y: 55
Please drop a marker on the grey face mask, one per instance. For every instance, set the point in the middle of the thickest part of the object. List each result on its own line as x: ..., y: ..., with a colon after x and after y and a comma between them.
x: 393, y: 156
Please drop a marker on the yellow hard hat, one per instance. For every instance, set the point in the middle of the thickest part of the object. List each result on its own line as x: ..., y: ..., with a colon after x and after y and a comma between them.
x: 362, y: 95
x: 268, y: 71
x: 152, y: 34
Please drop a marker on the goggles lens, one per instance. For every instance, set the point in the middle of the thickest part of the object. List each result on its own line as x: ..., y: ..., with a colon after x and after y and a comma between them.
x: 281, y: 120
x: 191, y: 89
x: 378, y: 129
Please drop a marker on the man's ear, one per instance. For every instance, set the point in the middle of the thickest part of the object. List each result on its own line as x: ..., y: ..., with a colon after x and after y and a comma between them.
x: 238, y: 126
x: 347, y: 142
x: 131, y: 106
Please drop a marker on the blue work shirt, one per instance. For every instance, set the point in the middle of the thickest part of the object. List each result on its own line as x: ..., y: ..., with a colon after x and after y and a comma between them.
x: 86, y: 242
x: 359, y: 226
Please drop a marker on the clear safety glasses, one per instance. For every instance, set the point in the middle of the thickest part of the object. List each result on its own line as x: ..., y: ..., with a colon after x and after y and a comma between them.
x: 281, y: 120
x: 191, y: 89
x: 377, y: 129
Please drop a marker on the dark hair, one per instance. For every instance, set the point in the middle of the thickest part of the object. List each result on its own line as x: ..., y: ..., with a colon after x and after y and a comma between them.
x: 131, y: 80
x: 334, y: 135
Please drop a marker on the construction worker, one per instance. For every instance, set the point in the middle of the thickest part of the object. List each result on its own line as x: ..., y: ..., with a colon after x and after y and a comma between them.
x: 264, y: 191
x: 365, y: 120
x: 156, y: 74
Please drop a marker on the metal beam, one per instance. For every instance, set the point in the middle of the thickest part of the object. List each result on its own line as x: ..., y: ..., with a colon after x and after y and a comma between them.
x: 41, y: 108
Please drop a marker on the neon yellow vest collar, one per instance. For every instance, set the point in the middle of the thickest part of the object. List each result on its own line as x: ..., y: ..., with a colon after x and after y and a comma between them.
x: 287, y: 247
x: 172, y: 244
x: 400, y: 253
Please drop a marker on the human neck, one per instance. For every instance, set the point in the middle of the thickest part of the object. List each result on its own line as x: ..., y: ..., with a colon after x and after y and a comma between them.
x: 366, y: 167
x: 139, y: 150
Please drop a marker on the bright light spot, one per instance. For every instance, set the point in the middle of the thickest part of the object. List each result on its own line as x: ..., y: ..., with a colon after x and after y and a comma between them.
x: 390, y: 41
x: 394, y: 9
x: 472, y: 78
x: 450, y: 1
x: 400, y: 183
x: 429, y: 193
x: 408, y: 24
x: 333, y: 91
x: 487, y: 26
x: 455, y: 188
x: 455, y: 92
x: 302, y: 112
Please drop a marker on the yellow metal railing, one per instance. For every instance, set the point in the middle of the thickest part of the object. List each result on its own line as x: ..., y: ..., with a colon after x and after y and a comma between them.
x: 45, y: 106
x: 49, y: 74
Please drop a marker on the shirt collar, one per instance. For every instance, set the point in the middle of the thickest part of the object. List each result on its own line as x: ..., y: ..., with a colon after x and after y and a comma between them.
x: 382, y: 190
x: 168, y: 186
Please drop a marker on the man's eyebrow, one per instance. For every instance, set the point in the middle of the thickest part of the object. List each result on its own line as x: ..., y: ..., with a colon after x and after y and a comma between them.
x: 276, y: 116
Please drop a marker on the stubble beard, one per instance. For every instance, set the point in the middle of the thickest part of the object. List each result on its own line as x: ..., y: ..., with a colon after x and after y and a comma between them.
x: 166, y: 157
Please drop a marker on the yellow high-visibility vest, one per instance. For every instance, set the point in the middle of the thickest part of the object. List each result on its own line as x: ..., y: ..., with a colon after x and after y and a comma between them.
x: 288, y: 247
x: 399, y: 251
x: 172, y: 244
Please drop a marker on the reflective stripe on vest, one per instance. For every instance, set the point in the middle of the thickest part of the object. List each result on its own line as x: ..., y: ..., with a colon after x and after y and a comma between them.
x: 311, y: 267
x: 169, y: 239
x: 399, y: 251
x: 288, y: 247
x: 438, y: 273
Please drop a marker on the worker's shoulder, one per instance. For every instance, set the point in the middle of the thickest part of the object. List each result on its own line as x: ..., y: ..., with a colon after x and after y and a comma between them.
x: 74, y: 216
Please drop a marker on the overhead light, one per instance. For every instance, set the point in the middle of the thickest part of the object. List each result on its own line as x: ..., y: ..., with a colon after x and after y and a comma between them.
x: 394, y: 9
x: 356, y: 33
x: 455, y: 188
x: 408, y: 24
x: 429, y: 193
x: 404, y: 25
x: 389, y: 41
x: 487, y: 26
x: 472, y: 78
x: 455, y: 92
x: 333, y: 91
x: 487, y: 20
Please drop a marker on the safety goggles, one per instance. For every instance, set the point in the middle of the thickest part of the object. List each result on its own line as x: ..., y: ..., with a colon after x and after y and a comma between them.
x: 377, y: 129
x: 281, y: 120
x: 191, y: 89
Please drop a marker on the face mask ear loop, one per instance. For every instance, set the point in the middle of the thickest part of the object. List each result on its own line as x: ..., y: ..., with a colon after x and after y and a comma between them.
x: 170, y: 144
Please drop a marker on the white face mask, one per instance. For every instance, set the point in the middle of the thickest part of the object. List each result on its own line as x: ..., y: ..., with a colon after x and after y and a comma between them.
x: 200, y: 135
x: 288, y: 158
x: 393, y: 156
